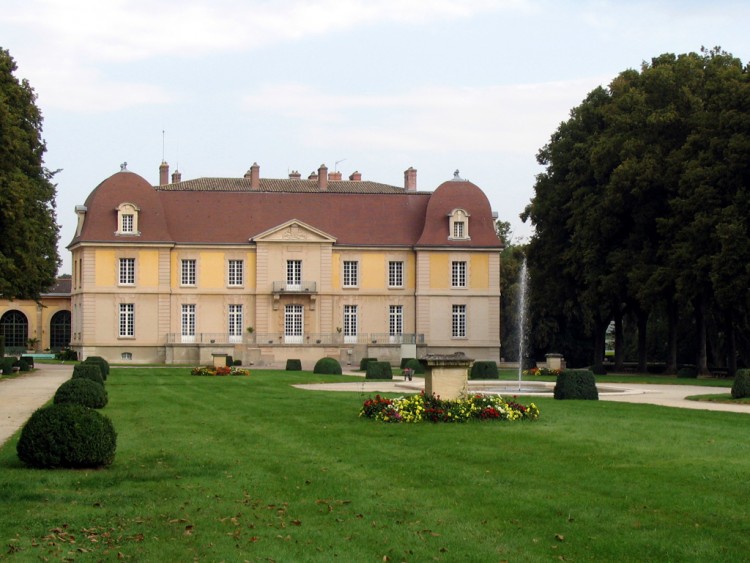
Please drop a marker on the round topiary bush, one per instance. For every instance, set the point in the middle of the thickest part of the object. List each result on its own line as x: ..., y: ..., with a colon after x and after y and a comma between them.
x: 293, y: 364
x: 741, y: 385
x: 329, y: 366
x: 82, y: 391
x: 482, y: 369
x: 67, y: 435
x: 101, y: 362
x: 88, y: 371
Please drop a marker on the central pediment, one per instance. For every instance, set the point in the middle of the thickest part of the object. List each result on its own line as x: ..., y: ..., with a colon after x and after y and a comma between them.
x: 294, y: 231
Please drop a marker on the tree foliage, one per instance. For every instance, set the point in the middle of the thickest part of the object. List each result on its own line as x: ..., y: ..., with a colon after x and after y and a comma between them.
x: 28, y: 230
x: 642, y: 212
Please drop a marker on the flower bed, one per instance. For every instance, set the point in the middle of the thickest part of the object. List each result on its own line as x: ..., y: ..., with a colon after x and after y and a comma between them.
x: 221, y: 370
x: 541, y: 371
x: 418, y: 408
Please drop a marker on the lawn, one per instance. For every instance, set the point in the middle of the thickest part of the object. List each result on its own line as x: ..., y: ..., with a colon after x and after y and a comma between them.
x: 250, y: 468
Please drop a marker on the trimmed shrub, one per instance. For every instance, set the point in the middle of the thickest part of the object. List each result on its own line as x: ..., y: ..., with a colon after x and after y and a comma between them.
x: 7, y: 365
x: 576, y: 384
x: 741, y: 385
x: 101, y: 362
x: 329, y: 366
x: 416, y: 366
x: 404, y: 361
x: 82, y: 391
x: 23, y: 365
x: 67, y: 355
x: 687, y: 372
x: 229, y: 361
x: 379, y: 370
x: 67, y: 435
x: 238, y: 362
x: 601, y: 370
x: 364, y: 361
x: 29, y: 360
x: 293, y: 365
x: 482, y: 369
x: 88, y: 371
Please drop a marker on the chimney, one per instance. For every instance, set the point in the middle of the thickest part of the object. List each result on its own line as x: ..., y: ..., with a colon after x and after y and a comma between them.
x: 176, y: 177
x: 313, y: 175
x: 323, y: 178
x: 410, y: 179
x: 254, y: 175
x: 355, y: 176
x: 335, y: 176
x: 294, y: 175
x: 163, y: 173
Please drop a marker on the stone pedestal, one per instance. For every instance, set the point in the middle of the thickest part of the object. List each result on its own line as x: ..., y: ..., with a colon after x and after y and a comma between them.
x: 555, y: 361
x: 220, y: 360
x: 447, y: 375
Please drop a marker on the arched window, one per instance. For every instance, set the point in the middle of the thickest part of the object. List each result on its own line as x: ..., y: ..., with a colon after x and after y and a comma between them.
x: 15, y: 327
x: 59, y: 330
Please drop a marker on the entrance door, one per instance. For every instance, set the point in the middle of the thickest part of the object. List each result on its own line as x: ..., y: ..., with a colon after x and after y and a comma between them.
x: 293, y: 318
x: 188, y: 324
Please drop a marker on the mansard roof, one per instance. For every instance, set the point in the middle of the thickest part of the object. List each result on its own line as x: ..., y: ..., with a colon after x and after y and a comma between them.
x: 228, y: 211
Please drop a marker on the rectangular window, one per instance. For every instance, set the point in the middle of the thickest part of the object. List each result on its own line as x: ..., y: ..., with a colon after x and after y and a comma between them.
x: 235, y: 323
x: 127, y: 320
x: 395, y: 274
x: 188, y: 323
x: 459, y: 321
x: 458, y: 274
x: 294, y: 274
x: 127, y: 271
x: 350, y: 324
x: 127, y: 223
x: 187, y: 275
x: 236, y: 273
x: 458, y: 229
x: 293, y: 323
x: 351, y: 273
x: 395, y: 320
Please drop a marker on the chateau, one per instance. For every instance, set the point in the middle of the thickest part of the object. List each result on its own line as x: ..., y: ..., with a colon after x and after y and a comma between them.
x: 270, y: 269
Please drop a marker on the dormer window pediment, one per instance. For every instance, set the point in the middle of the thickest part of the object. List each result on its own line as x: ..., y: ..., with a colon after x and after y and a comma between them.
x: 458, y: 225
x: 127, y: 219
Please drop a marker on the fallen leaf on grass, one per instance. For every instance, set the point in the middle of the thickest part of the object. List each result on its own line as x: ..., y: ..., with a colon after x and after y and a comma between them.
x: 559, y: 537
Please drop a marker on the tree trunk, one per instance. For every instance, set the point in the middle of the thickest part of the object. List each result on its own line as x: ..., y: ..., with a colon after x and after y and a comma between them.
x: 731, y: 346
x: 701, y: 358
x: 619, y: 340
x: 672, y: 321
x: 642, y: 318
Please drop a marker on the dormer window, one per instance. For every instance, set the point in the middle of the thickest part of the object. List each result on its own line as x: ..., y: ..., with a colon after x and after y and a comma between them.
x: 458, y: 225
x: 127, y: 219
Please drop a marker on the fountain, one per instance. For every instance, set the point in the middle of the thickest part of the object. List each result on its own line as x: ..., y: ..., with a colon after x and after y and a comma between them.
x: 523, y: 285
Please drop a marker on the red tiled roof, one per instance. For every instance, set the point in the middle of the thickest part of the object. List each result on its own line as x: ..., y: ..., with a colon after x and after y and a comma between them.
x: 226, y: 211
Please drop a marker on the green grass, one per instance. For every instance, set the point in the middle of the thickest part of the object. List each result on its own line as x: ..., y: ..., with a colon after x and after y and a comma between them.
x: 720, y: 398
x: 249, y: 468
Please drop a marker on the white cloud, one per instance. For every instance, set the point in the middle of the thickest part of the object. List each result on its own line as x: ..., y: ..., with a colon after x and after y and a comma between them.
x: 515, y: 118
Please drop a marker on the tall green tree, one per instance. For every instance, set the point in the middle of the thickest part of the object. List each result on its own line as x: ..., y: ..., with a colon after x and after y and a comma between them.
x: 28, y: 230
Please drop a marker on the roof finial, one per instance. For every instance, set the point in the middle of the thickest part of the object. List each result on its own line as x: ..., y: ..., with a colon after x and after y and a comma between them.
x: 456, y: 177
x: 124, y: 167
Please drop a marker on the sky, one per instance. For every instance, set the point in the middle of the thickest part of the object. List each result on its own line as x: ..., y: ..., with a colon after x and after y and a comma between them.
x: 375, y: 86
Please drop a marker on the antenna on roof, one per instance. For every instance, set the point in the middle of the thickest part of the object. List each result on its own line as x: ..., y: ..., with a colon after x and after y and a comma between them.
x: 336, y: 164
x: 163, y: 135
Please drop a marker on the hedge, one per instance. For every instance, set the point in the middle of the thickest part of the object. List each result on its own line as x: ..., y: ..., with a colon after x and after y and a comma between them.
x: 416, y: 366
x: 364, y: 361
x: 379, y: 370
x: 482, y: 369
x: 88, y: 371
x: 576, y: 384
x: 741, y: 385
x: 293, y: 364
x: 101, y: 362
x: 82, y: 391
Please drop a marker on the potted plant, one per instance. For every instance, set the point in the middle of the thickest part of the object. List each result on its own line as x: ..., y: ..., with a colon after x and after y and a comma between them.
x: 31, y: 343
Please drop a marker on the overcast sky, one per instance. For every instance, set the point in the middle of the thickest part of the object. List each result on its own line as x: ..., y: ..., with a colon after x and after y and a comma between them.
x: 369, y: 85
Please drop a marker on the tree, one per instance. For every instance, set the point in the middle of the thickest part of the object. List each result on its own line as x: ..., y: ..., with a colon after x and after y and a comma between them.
x: 28, y: 231
x: 642, y: 210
